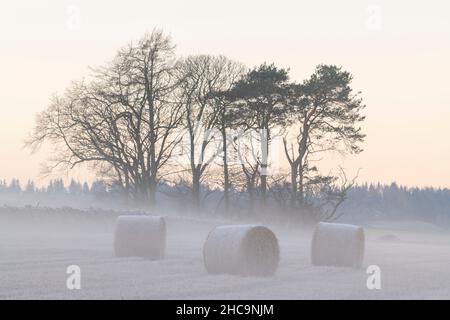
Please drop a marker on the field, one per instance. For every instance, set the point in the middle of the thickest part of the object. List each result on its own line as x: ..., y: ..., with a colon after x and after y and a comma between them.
x: 34, y: 257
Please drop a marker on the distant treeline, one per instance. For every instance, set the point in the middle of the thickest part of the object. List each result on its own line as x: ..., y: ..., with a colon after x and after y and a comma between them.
x: 378, y: 201
x: 363, y: 202
x: 55, y: 186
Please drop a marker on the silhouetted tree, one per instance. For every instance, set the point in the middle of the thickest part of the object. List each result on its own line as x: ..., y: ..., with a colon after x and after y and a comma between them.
x: 327, y: 116
x: 201, y: 78
x: 14, y: 186
x: 261, y: 100
x: 30, y: 187
x: 122, y: 121
x: 75, y: 188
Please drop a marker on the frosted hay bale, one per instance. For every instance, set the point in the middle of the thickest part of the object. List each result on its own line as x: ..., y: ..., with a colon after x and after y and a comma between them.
x: 141, y: 236
x: 246, y: 250
x: 336, y: 244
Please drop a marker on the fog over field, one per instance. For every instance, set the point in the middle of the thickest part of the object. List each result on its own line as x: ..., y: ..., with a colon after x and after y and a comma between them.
x: 35, y: 257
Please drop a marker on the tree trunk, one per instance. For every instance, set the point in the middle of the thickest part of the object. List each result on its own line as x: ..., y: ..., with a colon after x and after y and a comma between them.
x: 302, y: 152
x: 226, y: 178
x: 301, y: 192
x: 127, y: 190
x: 196, y: 189
x: 264, y: 163
x: 251, y: 193
x: 152, y: 192
x: 294, y: 172
x: 263, y: 188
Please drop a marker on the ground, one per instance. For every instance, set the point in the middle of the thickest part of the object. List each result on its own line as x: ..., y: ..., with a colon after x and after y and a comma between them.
x: 33, y: 262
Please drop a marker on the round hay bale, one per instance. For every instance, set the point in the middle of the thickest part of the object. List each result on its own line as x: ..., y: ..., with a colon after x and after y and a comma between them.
x: 245, y: 250
x: 140, y: 236
x: 336, y: 244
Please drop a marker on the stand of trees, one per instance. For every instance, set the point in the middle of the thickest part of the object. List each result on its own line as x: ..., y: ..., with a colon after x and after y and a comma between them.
x: 148, y: 118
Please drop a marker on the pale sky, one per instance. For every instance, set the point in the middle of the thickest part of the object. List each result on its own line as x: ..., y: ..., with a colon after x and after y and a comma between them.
x: 398, y: 52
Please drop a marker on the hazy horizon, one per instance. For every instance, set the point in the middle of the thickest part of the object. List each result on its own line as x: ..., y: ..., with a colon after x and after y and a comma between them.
x: 397, y: 52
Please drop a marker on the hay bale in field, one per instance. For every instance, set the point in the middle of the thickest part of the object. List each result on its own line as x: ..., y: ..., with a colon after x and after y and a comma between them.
x: 141, y: 236
x: 245, y: 250
x: 336, y: 244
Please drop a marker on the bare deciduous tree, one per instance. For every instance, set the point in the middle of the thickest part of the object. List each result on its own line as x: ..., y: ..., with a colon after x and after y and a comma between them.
x: 203, y: 80
x: 123, y: 120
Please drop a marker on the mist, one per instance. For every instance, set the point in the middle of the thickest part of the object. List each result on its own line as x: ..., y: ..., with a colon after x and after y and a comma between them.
x: 41, y: 236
